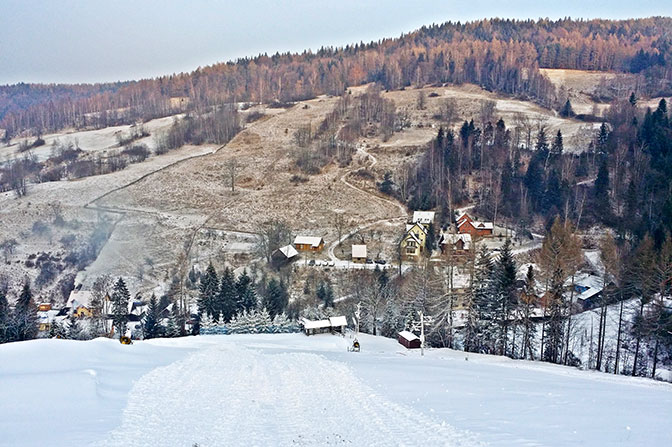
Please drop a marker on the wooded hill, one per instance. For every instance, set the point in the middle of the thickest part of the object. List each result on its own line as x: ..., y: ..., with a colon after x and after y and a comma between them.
x: 499, y: 55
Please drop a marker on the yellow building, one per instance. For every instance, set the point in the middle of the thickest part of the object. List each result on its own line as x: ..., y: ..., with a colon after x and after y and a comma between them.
x: 413, y: 243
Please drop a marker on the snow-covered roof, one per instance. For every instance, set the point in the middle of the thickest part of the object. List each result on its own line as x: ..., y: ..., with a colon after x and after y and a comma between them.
x: 359, y: 251
x: 319, y: 324
x: 79, y: 298
x: 289, y: 251
x: 415, y: 238
x: 410, y: 336
x: 587, y: 285
x: 338, y: 321
x: 410, y: 226
x: 423, y: 217
x: 454, y: 238
x: 313, y: 241
x: 476, y: 224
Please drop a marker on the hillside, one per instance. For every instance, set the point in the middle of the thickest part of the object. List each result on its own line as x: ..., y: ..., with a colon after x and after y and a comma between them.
x: 297, y: 390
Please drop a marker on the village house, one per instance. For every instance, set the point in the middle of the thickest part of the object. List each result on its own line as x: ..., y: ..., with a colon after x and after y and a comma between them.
x: 309, y: 243
x: 359, y: 254
x: 413, y: 243
x: 79, y: 303
x: 466, y: 225
x: 458, y: 245
x: 424, y: 218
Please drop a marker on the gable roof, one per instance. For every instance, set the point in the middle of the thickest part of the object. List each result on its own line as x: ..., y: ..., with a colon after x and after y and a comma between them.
x: 454, y: 238
x: 423, y: 217
x: 313, y: 241
x: 410, y: 336
x: 359, y: 251
x: 288, y: 251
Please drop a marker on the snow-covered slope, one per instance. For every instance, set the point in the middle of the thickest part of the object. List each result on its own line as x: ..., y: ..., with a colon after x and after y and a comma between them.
x: 295, y: 390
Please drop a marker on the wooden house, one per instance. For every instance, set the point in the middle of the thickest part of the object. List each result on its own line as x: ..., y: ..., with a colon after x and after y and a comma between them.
x: 309, y: 243
x: 413, y: 243
x: 466, y: 225
x: 359, y: 254
x: 331, y: 325
x: 79, y: 303
x: 284, y: 255
x: 455, y: 244
x: 409, y: 340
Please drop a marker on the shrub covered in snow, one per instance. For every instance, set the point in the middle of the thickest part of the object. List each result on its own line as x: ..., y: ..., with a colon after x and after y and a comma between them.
x: 253, y: 322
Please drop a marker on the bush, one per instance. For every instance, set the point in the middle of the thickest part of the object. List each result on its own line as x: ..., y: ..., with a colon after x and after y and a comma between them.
x: 136, y: 153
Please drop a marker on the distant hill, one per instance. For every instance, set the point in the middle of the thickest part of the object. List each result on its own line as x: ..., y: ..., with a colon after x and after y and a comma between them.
x: 499, y: 55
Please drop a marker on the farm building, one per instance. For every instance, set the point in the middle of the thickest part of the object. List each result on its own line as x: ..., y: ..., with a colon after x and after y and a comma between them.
x: 409, y: 340
x: 413, y: 243
x: 359, y: 254
x: 466, y: 225
x: 284, y: 255
x: 309, y: 243
x: 331, y: 325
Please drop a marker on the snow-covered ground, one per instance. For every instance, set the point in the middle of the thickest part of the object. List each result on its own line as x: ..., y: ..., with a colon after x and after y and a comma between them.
x: 295, y: 390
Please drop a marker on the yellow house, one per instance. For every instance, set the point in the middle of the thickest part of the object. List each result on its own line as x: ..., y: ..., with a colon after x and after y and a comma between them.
x: 413, y: 243
x: 82, y: 311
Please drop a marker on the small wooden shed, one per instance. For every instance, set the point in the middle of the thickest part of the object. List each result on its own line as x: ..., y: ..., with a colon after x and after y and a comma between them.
x: 409, y: 340
x: 359, y: 254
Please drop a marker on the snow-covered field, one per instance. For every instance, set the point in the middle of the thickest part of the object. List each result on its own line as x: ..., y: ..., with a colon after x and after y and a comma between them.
x: 295, y: 390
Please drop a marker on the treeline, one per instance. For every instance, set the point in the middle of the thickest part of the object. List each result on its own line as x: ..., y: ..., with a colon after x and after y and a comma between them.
x: 499, y: 55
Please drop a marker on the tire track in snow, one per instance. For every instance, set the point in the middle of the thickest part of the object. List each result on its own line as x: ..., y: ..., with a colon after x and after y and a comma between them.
x: 226, y: 395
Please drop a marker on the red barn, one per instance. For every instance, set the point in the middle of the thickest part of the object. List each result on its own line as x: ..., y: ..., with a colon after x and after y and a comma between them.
x: 409, y: 340
x: 466, y: 225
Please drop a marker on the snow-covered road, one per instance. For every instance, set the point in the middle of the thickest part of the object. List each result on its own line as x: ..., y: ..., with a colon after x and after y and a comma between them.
x: 227, y: 395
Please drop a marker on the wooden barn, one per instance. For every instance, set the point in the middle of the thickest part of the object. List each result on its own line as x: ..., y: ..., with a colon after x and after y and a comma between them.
x: 309, y: 243
x: 331, y: 325
x: 409, y: 340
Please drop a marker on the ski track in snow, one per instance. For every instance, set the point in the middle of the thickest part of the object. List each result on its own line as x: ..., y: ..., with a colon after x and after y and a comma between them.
x: 226, y: 395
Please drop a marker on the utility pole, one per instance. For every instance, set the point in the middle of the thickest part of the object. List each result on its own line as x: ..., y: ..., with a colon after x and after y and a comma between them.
x: 423, y: 320
x: 357, y: 314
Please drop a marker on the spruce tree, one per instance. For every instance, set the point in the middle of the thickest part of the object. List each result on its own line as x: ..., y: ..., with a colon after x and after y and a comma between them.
x: 56, y: 330
x: 207, y: 299
x: 73, y: 329
x: 480, y: 328
x: 4, y: 317
x: 25, y: 316
x: 505, y: 283
x: 558, y: 147
x: 567, y: 110
x: 601, y: 191
x: 150, y: 322
x: 276, y: 297
x: 120, y: 299
x: 527, y: 305
x: 227, y: 297
x: 247, y: 297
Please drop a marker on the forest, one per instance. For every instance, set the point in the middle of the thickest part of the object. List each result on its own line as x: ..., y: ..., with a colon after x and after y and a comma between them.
x: 499, y: 55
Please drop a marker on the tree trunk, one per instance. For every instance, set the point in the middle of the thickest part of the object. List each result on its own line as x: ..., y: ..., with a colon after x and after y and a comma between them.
x: 618, y: 338
x: 639, y: 340
x: 655, y: 360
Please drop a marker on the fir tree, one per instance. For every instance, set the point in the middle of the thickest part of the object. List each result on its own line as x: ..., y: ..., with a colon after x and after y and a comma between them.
x: 430, y: 241
x: 247, y: 297
x: 73, y: 329
x: 4, y: 317
x: 505, y: 283
x: 276, y: 298
x: 207, y: 299
x: 480, y: 328
x: 601, y: 191
x: 56, y: 330
x: 151, y: 327
x: 557, y: 147
x: 227, y: 297
x: 527, y: 305
x: 25, y: 316
x: 567, y: 110
x: 120, y: 299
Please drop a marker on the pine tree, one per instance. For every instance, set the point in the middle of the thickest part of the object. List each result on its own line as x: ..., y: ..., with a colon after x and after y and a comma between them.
x: 480, y: 328
x: 557, y: 147
x: 276, y: 298
x: 505, y: 285
x: 227, y: 297
x: 56, y: 330
x: 527, y: 304
x: 207, y: 299
x: 4, y: 317
x: 120, y: 299
x: 247, y: 297
x: 151, y: 327
x: 25, y: 316
x: 73, y: 329
x: 173, y: 329
x: 567, y: 110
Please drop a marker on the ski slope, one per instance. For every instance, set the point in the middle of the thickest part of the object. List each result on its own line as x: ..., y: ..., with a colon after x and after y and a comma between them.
x: 308, y: 391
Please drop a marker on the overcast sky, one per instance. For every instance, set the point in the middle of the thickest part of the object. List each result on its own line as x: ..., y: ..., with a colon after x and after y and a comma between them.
x: 109, y: 40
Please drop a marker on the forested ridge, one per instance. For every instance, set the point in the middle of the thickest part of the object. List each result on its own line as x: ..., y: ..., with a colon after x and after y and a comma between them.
x: 499, y: 55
